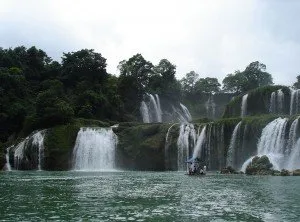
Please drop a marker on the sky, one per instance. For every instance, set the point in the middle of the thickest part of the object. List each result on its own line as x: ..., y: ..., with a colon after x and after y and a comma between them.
x: 211, y: 37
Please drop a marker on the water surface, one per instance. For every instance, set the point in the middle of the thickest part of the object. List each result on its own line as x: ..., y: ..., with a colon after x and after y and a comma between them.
x: 147, y: 196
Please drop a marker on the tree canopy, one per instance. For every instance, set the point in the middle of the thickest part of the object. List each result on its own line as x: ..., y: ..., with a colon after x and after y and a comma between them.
x: 253, y: 76
x: 296, y: 85
x: 38, y: 92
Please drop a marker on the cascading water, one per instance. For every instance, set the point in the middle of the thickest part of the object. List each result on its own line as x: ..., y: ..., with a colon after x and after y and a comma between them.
x: 199, y: 144
x: 145, y: 112
x: 95, y: 149
x: 19, y: 154
x: 280, y: 101
x: 34, y: 157
x: 272, y: 108
x: 154, y: 105
x: 185, y: 142
x: 294, y: 103
x: 231, y: 157
x: 159, y: 112
x: 272, y: 143
x: 293, y: 160
x: 277, y: 102
x: 244, y: 106
x: 293, y: 147
x: 151, y: 111
x: 186, y: 112
x: 167, y: 145
x: 210, y: 107
x: 7, y: 165
x: 292, y: 136
x: 38, y: 140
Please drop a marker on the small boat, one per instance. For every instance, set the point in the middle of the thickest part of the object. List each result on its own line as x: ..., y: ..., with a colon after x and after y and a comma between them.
x: 194, y: 167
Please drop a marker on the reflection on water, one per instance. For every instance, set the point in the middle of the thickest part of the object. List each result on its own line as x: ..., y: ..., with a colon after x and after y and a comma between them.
x: 147, y: 196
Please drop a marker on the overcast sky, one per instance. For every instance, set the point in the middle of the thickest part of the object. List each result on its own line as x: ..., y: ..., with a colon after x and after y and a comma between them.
x: 213, y: 38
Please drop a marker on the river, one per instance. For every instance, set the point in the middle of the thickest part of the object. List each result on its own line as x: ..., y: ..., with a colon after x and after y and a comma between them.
x: 146, y: 196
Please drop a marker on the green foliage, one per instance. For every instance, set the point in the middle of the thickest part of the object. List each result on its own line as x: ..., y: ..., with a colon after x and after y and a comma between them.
x: 207, y: 85
x: 252, y: 77
x: 83, y: 65
x: 296, y: 85
x: 256, y: 96
x: 189, y: 81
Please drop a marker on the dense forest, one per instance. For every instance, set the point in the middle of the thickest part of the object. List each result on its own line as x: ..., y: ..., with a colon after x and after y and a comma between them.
x: 37, y: 92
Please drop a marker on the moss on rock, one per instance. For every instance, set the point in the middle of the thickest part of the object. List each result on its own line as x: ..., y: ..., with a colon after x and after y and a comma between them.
x: 141, y: 146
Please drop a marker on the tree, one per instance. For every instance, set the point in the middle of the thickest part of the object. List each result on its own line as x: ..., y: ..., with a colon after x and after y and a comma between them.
x: 83, y: 65
x: 189, y: 81
x: 166, y: 70
x: 252, y: 77
x: 234, y: 83
x: 297, y: 84
x: 52, y: 107
x: 207, y: 85
x: 138, y: 68
x: 256, y: 76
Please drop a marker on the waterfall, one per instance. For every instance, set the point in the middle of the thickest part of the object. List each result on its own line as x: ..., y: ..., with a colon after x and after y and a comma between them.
x: 280, y: 101
x: 210, y: 107
x: 7, y: 165
x: 151, y: 112
x: 293, y: 161
x: 159, y: 113
x: 186, y: 112
x: 199, y: 144
x: 29, y: 153
x: 145, y: 112
x: 246, y: 163
x: 185, y: 143
x: 272, y: 143
x: 19, y: 154
x: 283, y: 153
x: 293, y: 147
x: 244, y: 106
x: 154, y: 105
x: 272, y: 108
x: 38, y: 140
x: 292, y: 136
x: 167, y: 145
x: 294, y: 102
x: 231, y: 157
x: 95, y: 149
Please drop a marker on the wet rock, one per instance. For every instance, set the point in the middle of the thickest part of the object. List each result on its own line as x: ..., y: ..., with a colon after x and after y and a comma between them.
x: 228, y: 170
x: 260, y: 166
x: 284, y: 172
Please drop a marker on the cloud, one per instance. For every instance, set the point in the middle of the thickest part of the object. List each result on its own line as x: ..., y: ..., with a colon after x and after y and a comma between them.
x: 213, y: 38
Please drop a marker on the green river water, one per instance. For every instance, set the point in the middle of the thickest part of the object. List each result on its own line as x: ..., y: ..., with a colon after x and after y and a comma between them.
x: 146, y: 196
